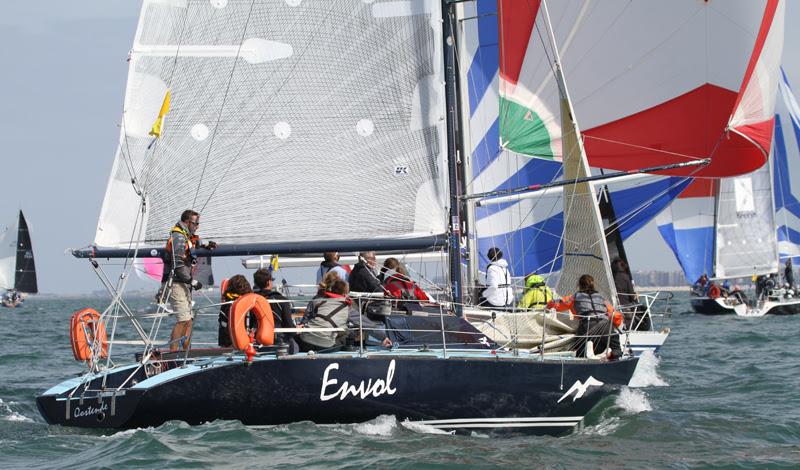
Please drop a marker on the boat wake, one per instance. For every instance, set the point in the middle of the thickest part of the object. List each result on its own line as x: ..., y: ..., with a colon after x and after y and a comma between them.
x: 605, y: 427
x: 388, y: 425
x: 8, y: 414
x: 424, y: 428
x: 633, y: 401
x: 646, y: 374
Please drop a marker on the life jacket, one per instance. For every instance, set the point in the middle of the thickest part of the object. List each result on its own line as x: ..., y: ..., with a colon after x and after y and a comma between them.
x: 191, y: 240
x: 590, y: 306
x: 502, y: 294
x: 536, y: 296
x: 406, y: 288
x: 714, y: 291
x: 327, y: 313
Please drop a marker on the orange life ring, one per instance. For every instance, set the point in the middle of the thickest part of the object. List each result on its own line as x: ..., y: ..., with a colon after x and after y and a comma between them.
x: 265, y: 333
x: 84, y: 328
x: 223, y: 286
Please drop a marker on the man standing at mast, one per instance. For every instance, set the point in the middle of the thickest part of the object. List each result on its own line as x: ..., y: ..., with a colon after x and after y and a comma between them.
x: 177, y: 279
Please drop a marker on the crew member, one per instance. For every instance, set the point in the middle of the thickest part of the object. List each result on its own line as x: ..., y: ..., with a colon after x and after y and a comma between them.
x: 281, y: 310
x: 498, y: 292
x: 537, y: 294
x: 177, y: 282
x: 596, y: 316
x: 331, y: 263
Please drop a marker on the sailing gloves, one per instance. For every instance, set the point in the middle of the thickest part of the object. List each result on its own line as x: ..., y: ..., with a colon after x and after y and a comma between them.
x: 196, y: 285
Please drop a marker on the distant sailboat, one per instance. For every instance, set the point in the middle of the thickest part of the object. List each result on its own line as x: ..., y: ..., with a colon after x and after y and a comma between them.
x: 17, y: 268
x: 726, y: 227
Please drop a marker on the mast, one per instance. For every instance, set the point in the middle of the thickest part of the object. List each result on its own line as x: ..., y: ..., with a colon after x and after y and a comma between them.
x: 465, y: 141
x: 451, y: 103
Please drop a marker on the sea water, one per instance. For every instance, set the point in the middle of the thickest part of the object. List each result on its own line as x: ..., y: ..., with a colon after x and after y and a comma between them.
x: 725, y: 392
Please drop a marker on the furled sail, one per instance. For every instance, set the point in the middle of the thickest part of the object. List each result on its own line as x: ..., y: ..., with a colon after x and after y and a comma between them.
x: 285, y: 121
x: 786, y: 172
x: 652, y: 82
x: 527, y: 230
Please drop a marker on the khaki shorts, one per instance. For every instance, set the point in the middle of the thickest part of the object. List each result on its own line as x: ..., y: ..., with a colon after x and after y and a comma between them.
x: 180, y: 301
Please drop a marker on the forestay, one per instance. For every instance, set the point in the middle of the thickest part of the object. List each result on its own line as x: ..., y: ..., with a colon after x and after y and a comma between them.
x: 287, y: 121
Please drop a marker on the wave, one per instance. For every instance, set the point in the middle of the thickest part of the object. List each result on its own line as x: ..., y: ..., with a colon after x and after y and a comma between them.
x: 424, y: 428
x: 9, y: 414
x: 646, y: 373
x: 633, y: 401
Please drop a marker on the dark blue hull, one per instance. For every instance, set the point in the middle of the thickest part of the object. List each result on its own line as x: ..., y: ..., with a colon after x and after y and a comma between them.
x: 708, y: 306
x: 462, y: 393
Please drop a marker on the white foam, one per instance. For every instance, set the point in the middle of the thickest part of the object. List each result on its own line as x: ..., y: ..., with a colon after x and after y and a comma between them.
x: 424, y: 428
x: 11, y: 415
x: 646, y: 374
x: 127, y: 432
x: 603, y: 428
x: 383, y: 425
x: 633, y: 401
x: 14, y: 416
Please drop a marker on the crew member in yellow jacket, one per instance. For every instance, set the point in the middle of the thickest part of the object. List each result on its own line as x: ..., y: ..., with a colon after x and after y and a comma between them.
x: 537, y: 294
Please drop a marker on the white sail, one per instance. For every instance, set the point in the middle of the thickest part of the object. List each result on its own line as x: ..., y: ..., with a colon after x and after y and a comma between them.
x: 345, y: 96
x: 746, y: 241
x: 8, y: 256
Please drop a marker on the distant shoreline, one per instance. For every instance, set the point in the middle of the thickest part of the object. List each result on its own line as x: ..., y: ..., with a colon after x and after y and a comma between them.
x: 664, y: 288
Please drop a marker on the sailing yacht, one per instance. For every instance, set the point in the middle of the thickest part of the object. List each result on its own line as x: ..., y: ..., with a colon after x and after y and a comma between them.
x: 275, y: 118
x: 17, y: 267
x: 750, y: 229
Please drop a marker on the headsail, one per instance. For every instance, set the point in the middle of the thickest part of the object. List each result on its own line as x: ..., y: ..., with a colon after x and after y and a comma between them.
x: 653, y: 82
x: 25, y: 275
x: 17, y: 267
x: 786, y: 172
x: 348, y: 94
x: 745, y: 242
x: 8, y: 257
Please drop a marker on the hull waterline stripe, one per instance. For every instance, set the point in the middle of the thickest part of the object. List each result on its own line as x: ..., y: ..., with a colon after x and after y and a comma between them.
x: 435, y: 422
x: 506, y: 425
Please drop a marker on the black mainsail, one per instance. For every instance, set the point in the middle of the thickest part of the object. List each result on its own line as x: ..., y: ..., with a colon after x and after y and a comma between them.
x: 25, y: 272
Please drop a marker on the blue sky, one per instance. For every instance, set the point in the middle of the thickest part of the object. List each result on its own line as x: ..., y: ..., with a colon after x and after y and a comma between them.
x: 61, y: 92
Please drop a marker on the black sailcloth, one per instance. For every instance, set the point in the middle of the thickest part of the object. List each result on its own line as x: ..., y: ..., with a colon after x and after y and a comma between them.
x: 25, y: 272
